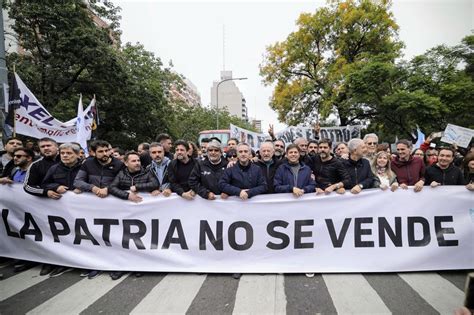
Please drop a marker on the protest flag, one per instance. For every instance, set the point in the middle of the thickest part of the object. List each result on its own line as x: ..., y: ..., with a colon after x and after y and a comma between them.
x: 83, y: 133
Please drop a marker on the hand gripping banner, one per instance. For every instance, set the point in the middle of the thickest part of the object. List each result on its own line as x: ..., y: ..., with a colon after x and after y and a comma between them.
x: 373, y: 231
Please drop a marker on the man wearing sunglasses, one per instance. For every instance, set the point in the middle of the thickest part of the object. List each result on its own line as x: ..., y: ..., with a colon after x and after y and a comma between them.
x: 22, y: 159
x: 204, y: 178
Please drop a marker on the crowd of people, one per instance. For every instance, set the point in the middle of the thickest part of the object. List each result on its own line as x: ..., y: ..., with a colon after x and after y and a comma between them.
x: 231, y: 169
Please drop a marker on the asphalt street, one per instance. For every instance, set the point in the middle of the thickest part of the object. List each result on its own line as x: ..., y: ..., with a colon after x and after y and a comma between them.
x: 163, y: 293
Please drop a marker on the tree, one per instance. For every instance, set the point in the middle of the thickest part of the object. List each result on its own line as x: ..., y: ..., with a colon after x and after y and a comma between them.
x: 186, y: 122
x: 66, y: 53
x: 310, y: 68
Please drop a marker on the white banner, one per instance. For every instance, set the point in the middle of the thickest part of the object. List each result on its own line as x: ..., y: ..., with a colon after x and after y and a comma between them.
x: 374, y: 231
x: 254, y: 139
x: 32, y: 119
x: 336, y: 134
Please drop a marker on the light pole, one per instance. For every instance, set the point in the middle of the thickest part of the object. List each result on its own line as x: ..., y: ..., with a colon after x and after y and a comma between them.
x: 217, y: 97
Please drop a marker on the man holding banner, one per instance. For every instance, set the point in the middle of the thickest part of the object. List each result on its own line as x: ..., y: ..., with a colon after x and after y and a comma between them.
x: 37, y: 171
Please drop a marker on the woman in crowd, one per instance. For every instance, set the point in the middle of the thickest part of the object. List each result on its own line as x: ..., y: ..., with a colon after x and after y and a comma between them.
x: 384, y: 176
x: 294, y: 176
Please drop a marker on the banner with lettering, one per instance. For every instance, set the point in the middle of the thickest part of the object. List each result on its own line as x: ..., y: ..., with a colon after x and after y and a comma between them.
x: 254, y: 139
x: 373, y: 231
x: 33, y: 120
x: 336, y: 134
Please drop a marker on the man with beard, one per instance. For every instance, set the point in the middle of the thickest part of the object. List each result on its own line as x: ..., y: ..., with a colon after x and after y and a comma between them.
x: 22, y: 159
x: 313, y: 148
x: 410, y: 170
x: 97, y: 173
x: 204, y: 178
x: 444, y: 172
x: 329, y: 171
x: 132, y: 179
x: 159, y: 168
x: 358, y: 167
x: 39, y: 168
x: 7, y: 163
x: 143, y: 150
x: 302, y: 144
x: 180, y: 169
x: 279, y: 146
x: 268, y: 164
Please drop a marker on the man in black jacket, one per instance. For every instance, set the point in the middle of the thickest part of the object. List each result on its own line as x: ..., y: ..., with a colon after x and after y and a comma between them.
x: 268, y: 164
x: 244, y: 179
x: 329, y: 171
x: 39, y: 168
x: 358, y: 167
x: 444, y: 172
x: 132, y: 179
x: 60, y: 177
x: 180, y: 169
x: 58, y: 180
x: 204, y: 178
x: 97, y: 173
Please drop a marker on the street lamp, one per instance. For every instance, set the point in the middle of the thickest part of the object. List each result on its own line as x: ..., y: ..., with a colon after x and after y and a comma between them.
x: 217, y: 97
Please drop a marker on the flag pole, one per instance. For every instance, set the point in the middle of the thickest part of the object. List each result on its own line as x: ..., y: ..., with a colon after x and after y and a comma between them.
x: 14, y: 106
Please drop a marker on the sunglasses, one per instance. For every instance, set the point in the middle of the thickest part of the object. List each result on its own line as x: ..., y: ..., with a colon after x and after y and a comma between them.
x: 232, y: 156
x: 19, y: 155
x: 371, y: 143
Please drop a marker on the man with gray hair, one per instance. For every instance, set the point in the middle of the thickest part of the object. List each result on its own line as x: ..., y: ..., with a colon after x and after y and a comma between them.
x: 58, y: 180
x: 358, y: 167
x: 205, y: 176
x: 371, y: 141
x: 60, y: 177
x: 269, y: 164
x: 302, y: 144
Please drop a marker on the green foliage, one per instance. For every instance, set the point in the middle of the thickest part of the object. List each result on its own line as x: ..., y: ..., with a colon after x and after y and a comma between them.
x: 311, y: 67
x: 186, y: 122
x: 341, y: 60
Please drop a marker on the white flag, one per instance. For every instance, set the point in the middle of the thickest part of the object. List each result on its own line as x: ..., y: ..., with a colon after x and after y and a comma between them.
x: 83, y: 130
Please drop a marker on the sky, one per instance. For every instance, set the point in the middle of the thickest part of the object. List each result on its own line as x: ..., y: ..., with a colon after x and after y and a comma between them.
x: 196, y: 35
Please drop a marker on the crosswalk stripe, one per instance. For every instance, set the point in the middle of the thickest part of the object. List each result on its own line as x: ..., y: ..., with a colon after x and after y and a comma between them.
x: 397, y: 294
x: 174, y: 294
x: 352, y: 293
x: 77, y: 297
x: 306, y: 295
x: 260, y: 295
x: 20, y: 282
x: 437, y: 291
x: 216, y: 295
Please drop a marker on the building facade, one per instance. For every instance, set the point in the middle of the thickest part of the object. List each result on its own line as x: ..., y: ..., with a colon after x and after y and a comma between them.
x: 229, y: 97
